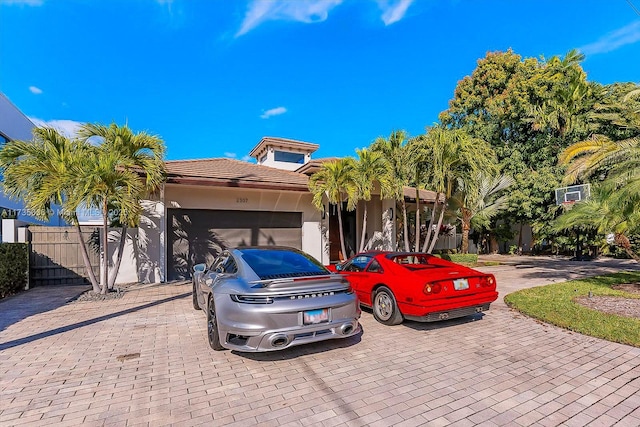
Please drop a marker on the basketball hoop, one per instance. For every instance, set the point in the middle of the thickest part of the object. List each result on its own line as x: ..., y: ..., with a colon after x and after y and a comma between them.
x: 568, y: 204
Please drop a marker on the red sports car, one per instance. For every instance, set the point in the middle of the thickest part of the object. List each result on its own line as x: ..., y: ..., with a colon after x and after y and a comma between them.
x: 417, y: 286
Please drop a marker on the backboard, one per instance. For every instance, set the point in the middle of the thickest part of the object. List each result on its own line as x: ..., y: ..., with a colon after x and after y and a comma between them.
x: 572, y: 194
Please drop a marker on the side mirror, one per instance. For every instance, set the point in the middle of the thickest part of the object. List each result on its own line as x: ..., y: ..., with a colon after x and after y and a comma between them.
x: 199, y: 268
x: 339, y: 267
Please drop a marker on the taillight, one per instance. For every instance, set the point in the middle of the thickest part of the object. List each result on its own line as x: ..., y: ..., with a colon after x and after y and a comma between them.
x: 488, y: 281
x: 432, y: 288
x: 249, y: 299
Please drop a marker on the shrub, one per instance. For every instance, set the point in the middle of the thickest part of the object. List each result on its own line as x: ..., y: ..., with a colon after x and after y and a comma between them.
x: 14, y: 267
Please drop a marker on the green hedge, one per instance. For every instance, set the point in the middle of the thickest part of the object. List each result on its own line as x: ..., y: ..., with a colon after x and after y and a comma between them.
x: 469, y: 259
x: 14, y: 267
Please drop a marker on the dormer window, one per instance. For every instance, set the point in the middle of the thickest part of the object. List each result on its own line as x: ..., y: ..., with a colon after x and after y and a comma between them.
x: 289, y: 157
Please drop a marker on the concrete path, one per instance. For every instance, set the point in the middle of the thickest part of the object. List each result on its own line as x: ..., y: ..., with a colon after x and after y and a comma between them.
x: 144, y: 360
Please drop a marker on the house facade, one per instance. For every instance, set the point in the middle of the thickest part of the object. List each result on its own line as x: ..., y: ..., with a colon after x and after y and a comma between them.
x: 207, y: 205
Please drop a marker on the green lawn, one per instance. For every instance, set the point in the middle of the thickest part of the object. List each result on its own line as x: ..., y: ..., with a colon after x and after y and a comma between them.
x: 555, y: 304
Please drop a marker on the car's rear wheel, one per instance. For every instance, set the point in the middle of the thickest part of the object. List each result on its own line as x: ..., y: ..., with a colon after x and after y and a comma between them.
x: 212, y: 327
x: 385, y: 308
x: 194, y: 297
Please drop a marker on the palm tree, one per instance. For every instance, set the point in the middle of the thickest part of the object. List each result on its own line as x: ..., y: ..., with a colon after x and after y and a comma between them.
x: 605, y: 212
x: 477, y: 201
x: 453, y: 154
x: 565, y: 111
x: 394, y: 150
x: 336, y: 181
x: 40, y: 172
x: 124, y: 168
x: 369, y: 168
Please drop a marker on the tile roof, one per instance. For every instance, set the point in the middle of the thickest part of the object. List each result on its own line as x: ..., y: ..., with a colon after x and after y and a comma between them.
x: 222, y: 172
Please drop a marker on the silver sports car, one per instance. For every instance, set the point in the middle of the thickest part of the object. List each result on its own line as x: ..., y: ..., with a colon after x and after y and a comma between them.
x: 270, y: 298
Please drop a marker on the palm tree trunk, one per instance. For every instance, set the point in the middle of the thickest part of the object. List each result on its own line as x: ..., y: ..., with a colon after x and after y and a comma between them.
x: 104, y: 282
x: 623, y: 241
x: 364, y: 227
x: 417, y: 244
x: 430, y: 228
x: 466, y: 226
x: 343, y: 252
x: 87, y: 262
x: 405, y: 225
x: 435, y: 235
x: 116, y: 267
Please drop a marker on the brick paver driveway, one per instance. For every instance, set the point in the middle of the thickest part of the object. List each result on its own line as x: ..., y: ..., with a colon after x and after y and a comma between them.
x: 144, y: 360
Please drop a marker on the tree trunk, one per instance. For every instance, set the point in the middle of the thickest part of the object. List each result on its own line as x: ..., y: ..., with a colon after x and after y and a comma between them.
x: 466, y: 226
x: 417, y: 243
x: 430, y: 228
x: 104, y: 282
x: 437, y: 232
x: 520, y: 239
x: 622, y: 241
x: 116, y: 267
x: 364, y: 227
x: 87, y: 263
x: 405, y: 226
x: 343, y: 253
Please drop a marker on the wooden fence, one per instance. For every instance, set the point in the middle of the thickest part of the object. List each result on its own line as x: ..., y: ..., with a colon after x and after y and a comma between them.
x: 56, y: 257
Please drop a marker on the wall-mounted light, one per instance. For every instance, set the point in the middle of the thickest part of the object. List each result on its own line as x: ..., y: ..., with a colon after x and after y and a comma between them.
x: 324, y: 212
x: 390, y: 212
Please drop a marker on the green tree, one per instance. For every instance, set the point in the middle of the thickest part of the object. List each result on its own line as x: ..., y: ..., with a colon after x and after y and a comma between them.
x: 394, y: 150
x: 479, y: 198
x: 119, y: 172
x: 335, y: 180
x: 605, y: 212
x: 370, y: 168
x: 41, y: 172
x: 452, y: 155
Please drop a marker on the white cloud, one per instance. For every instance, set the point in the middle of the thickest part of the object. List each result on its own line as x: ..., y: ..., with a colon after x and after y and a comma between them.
x: 35, y: 90
x: 230, y: 155
x: 68, y: 128
x: 393, y: 10
x: 273, y: 112
x: 23, y: 2
x: 614, y: 40
x: 307, y: 11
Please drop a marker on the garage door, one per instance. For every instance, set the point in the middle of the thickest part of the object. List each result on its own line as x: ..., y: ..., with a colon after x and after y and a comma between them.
x: 198, y: 235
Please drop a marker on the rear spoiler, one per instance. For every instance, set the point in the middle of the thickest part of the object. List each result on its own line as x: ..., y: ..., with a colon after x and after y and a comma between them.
x: 287, y: 281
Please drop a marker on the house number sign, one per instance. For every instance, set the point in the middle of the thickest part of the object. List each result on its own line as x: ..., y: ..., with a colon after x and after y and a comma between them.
x: 242, y: 200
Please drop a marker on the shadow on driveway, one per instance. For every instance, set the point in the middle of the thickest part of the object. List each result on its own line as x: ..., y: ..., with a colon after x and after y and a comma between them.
x: 35, y: 301
x: 62, y: 329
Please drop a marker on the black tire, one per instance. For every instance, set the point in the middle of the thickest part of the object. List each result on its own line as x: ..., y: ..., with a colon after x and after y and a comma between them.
x: 212, y: 327
x: 194, y: 297
x: 384, y: 306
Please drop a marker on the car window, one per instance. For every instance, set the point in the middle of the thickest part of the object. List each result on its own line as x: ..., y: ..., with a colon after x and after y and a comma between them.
x: 274, y: 263
x: 229, y: 265
x: 357, y: 263
x: 375, y: 267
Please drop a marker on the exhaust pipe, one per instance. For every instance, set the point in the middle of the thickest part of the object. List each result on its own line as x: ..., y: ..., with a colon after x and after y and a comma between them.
x: 279, y: 340
x: 346, y: 329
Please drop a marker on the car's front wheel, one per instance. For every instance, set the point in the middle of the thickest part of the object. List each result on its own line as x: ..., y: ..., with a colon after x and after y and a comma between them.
x: 194, y: 296
x: 385, y: 308
x: 212, y: 327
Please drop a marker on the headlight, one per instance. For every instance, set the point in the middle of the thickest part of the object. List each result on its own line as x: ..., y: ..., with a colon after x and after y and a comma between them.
x: 249, y: 299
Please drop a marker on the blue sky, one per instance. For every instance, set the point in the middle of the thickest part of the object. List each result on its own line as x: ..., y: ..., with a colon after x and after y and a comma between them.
x: 211, y: 77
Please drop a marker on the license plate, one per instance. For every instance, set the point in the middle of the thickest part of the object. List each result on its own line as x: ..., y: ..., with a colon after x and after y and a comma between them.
x: 460, y: 284
x: 312, y: 317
